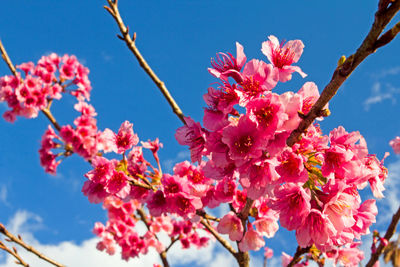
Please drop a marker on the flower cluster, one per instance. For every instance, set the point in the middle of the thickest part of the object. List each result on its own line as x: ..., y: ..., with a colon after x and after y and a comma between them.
x: 122, y: 230
x: 313, y: 185
x: 47, y: 80
x: 239, y: 158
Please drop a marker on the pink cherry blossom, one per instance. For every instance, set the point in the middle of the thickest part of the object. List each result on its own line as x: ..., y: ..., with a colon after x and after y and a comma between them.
x: 252, y: 240
x: 225, y: 65
x: 191, y: 135
x: 231, y: 224
x: 125, y: 138
x: 395, y: 144
x: 282, y: 56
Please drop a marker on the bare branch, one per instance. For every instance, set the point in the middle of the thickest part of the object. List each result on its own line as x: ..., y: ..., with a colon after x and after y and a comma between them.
x: 207, y: 216
x: 163, y: 255
x: 383, y: 16
x: 296, y: 258
x: 388, y: 36
x: 29, y: 248
x: 51, y: 118
x: 221, y: 240
x: 14, y: 253
x: 7, y: 59
x: 389, y: 233
x: 112, y: 8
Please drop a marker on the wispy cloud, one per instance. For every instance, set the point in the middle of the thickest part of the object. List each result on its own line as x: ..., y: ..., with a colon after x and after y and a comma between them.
x: 106, y: 57
x: 382, y: 90
x: 169, y: 163
x: 3, y: 195
x: 385, y: 73
x: 85, y: 253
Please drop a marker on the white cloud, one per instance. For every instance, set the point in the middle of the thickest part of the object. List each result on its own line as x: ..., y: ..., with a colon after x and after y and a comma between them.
x: 378, y: 95
x: 85, y: 253
x: 387, y: 72
x: 380, y: 90
x: 3, y: 195
x: 168, y: 164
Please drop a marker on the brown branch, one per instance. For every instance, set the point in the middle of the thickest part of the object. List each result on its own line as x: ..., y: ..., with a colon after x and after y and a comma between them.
x: 371, y: 42
x: 221, y: 240
x: 173, y: 240
x: 51, y: 118
x: 7, y: 59
x: 389, y: 233
x: 388, y: 36
x: 112, y: 8
x: 163, y: 255
x: 14, y: 253
x: 296, y: 258
x: 207, y: 216
x: 19, y: 241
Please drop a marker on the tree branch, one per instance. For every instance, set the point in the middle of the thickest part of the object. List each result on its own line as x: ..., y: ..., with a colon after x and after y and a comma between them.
x: 7, y: 59
x: 221, y: 240
x: 14, y: 253
x: 389, y: 233
x: 112, y: 8
x: 371, y: 42
x: 296, y: 258
x: 163, y: 255
x: 19, y: 241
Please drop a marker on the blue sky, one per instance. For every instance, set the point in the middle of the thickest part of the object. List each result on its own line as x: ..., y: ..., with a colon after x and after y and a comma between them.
x: 177, y: 38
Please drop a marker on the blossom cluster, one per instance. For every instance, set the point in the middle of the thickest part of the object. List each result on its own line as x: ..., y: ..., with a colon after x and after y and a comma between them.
x: 239, y: 158
x: 121, y: 229
x: 314, y: 185
x: 53, y: 75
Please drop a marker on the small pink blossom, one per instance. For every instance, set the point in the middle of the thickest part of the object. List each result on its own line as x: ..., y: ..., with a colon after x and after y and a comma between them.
x: 395, y: 144
x: 125, y: 138
x: 282, y: 56
x: 225, y: 65
x: 252, y: 240
x: 293, y: 204
x: 231, y: 224
x: 191, y: 135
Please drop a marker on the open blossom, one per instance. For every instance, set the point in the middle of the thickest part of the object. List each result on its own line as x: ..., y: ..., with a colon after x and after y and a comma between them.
x: 293, y: 204
x: 317, y: 229
x: 191, y: 135
x: 243, y: 140
x: 231, y: 224
x: 125, y: 138
x: 252, y: 240
x: 282, y: 56
x: 225, y: 65
x: 395, y: 144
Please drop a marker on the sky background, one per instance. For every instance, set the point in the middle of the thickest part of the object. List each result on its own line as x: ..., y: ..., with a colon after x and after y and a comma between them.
x: 177, y: 38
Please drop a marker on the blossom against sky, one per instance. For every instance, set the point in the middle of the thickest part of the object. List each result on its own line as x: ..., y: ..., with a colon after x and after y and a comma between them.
x: 178, y: 41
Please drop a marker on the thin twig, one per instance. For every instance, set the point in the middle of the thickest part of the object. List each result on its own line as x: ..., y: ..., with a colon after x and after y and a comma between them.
x: 51, y: 118
x: 112, y: 8
x: 371, y: 42
x: 163, y: 255
x: 206, y: 216
x: 173, y: 240
x: 221, y: 240
x: 7, y: 59
x: 389, y: 233
x: 14, y: 253
x: 296, y: 258
x: 29, y: 248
